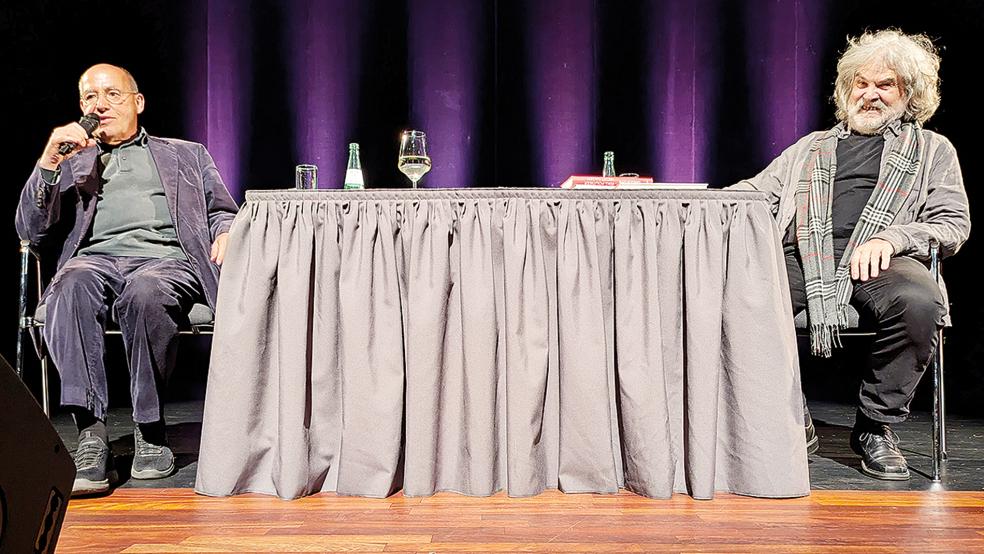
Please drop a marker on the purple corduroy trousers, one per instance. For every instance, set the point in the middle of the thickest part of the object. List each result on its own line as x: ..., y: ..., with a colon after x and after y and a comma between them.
x: 148, y: 297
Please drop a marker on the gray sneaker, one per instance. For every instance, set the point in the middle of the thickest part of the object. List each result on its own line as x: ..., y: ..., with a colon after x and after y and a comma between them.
x: 812, y: 440
x: 150, y: 461
x: 93, y: 471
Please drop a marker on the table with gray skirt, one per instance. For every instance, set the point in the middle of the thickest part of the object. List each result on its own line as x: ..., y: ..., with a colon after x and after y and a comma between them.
x: 484, y: 340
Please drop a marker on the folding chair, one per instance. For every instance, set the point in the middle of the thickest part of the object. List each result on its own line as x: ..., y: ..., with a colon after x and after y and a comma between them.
x: 936, y: 365
x: 31, y: 321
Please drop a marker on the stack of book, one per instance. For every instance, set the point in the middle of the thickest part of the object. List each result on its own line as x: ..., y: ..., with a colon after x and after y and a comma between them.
x: 626, y: 183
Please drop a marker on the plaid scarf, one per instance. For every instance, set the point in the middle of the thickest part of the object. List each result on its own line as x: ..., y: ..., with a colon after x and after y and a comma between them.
x: 828, y: 288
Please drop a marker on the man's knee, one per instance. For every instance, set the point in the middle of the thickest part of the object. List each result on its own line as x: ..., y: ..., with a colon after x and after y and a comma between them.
x: 915, y: 294
x: 145, y: 295
x: 907, y: 299
x: 78, y: 284
x: 921, y: 302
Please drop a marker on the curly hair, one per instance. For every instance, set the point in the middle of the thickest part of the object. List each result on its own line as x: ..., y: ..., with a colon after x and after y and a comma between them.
x: 913, y: 58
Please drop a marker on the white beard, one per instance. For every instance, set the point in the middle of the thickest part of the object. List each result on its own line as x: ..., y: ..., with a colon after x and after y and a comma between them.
x: 872, y: 118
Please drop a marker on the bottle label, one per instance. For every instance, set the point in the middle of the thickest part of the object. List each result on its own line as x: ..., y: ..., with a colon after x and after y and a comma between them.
x: 353, y: 179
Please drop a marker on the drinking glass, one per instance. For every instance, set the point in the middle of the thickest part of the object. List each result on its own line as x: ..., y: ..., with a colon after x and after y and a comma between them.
x: 306, y: 177
x: 413, y: 161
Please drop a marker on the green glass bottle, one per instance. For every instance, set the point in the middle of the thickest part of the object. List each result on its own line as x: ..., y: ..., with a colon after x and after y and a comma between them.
x: 353, y: 172
x: 608, y: 170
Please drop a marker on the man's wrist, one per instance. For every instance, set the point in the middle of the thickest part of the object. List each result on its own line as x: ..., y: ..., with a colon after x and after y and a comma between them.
x: 47, y: 181
x: 49, y: 176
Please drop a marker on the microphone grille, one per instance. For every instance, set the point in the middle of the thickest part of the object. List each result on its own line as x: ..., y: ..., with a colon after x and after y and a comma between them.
x: 89, y: 122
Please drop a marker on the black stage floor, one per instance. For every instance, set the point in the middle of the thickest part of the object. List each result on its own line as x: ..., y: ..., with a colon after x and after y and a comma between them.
x: 834, y: 467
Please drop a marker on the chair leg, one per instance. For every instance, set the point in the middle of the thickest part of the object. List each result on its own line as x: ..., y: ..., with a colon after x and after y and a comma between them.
x: 939, y: 446
x: 45, y: 402
x: 939, y: 402
x: 22, y: 319
x: 942, y: 397
x: 19, y: 365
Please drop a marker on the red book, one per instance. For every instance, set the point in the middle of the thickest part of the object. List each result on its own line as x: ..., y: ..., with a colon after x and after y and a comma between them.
x: 595, y: 181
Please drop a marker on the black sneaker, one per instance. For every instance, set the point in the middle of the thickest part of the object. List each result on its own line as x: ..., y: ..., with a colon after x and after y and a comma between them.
x: 878, y: 447
x: 93, y: 471
x: 150, y: 461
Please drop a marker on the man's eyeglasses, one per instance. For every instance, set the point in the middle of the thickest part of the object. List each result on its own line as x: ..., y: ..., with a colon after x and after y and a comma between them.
x: 113, y: 96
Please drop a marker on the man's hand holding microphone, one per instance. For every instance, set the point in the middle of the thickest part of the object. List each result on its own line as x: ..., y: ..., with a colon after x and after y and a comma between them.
x: 68, y: 140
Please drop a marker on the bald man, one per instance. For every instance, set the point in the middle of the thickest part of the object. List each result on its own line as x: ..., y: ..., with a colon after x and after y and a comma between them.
x: 140, y: 224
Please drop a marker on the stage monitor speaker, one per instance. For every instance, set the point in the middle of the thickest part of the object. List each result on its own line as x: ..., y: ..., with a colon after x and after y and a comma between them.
x: 36, y: 471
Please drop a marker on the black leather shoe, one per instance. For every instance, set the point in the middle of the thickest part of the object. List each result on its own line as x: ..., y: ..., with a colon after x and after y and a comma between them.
x: 878, y: 447
x: 812, y: 439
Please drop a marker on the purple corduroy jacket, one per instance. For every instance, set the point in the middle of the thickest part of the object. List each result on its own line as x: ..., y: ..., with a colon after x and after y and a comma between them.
x: 200, y: 205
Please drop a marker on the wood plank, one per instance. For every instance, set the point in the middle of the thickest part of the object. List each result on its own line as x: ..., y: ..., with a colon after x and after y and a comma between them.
x: 178, y: 520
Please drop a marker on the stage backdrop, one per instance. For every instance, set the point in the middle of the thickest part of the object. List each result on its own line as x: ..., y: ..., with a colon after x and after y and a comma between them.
x: 511, y: 93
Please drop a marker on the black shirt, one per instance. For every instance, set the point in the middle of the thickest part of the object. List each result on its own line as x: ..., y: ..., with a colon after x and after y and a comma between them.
x: 858, y: 165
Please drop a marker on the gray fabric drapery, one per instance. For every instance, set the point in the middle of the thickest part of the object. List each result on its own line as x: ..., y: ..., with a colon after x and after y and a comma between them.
x: 503, y: 339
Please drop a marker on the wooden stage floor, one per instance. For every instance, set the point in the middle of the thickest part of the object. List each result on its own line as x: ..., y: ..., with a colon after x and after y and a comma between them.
x: 847, y: 512
x: 178, y: 520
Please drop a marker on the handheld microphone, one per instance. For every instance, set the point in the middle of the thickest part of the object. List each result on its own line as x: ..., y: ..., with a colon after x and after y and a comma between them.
x: 89, y: 122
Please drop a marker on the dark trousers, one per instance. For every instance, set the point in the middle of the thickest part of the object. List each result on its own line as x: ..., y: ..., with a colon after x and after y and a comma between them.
x: 903, y: 306
x: 148, y: 297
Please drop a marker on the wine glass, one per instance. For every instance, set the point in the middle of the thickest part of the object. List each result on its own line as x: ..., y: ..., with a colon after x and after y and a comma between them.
x: 413, y: 161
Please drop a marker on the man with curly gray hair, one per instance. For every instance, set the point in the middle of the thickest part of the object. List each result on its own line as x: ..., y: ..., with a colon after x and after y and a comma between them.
x: 860, y: 205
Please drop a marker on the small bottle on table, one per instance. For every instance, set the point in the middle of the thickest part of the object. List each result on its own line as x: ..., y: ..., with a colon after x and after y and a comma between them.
x: 608, y: 170
x: 353, y: 172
